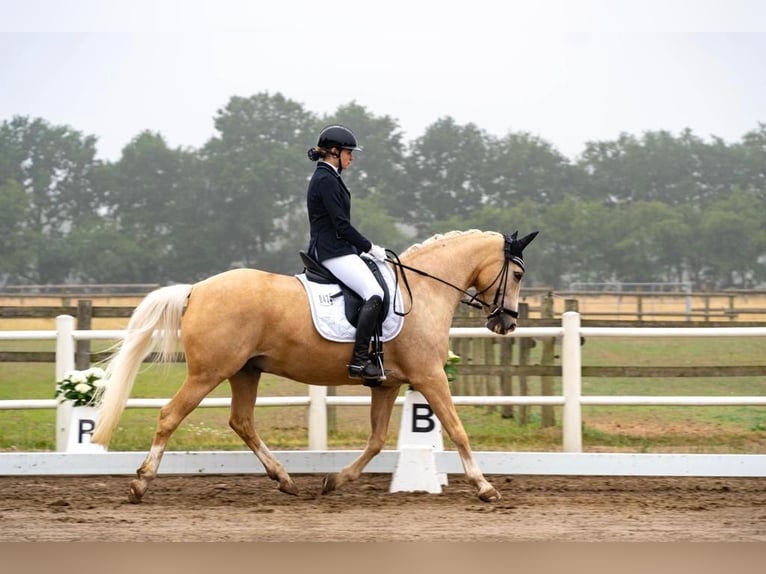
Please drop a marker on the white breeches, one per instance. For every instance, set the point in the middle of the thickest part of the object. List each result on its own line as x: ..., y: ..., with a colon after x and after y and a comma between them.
x: 354, y: 272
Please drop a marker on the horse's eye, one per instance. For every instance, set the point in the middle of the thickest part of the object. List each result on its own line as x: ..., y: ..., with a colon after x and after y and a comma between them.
x: 518, y: 275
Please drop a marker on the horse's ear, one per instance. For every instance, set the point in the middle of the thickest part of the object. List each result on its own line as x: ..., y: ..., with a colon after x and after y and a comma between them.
x: 515, y: 235
x: 526, y: 240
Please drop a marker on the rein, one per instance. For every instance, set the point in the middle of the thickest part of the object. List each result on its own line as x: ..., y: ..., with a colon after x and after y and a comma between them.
x: 474, y: 299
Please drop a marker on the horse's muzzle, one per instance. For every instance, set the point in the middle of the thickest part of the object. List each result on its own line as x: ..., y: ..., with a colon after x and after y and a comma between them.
x: 501, y: 323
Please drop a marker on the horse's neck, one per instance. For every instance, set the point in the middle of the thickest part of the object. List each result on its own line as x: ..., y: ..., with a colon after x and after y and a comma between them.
x: 455, y: 262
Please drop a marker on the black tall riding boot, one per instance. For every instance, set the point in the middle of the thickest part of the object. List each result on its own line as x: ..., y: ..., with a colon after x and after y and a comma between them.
x: 361, y: 367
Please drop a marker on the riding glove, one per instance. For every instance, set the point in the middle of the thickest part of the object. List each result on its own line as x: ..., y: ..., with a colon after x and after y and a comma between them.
x: 377, y: 252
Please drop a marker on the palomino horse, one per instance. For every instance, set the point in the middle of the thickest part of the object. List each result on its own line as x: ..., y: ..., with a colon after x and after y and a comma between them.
x: 244, y: 322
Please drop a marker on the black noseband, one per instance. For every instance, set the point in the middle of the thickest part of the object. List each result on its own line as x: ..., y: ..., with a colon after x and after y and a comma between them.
x: 503, y: 310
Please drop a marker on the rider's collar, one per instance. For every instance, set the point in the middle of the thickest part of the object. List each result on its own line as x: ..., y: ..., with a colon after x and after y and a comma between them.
x: 335, y: 169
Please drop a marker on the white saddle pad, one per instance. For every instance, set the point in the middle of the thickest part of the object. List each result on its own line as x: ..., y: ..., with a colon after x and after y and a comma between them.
x: 329, y: 312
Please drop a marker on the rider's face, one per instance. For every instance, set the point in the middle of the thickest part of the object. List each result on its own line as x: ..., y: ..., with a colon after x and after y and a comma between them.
x: 346, y: 157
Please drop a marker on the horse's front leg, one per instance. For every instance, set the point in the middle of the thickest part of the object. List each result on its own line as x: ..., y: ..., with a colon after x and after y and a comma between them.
x: 436, y: 391
x: 382, y: 404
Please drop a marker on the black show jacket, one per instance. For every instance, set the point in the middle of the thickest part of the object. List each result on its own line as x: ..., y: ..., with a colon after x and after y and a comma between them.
x: 329, y: 208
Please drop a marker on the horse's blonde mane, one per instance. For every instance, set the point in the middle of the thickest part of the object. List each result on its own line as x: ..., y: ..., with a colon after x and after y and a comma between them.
x: 438, y: 237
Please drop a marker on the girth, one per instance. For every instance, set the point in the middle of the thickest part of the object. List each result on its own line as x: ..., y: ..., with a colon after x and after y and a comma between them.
x: 318, y: 273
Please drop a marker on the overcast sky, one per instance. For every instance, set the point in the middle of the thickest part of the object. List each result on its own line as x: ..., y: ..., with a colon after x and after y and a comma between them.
x: 568, y: 71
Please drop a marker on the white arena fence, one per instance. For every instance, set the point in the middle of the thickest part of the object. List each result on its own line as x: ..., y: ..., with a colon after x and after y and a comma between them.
x: 318, y: 459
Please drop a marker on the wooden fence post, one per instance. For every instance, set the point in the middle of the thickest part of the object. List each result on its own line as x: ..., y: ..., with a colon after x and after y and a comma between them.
x: 548, y: 415
x: 506, y: 379
x: 84, y: 323
x: 491, y: 384
x: 525, y: 345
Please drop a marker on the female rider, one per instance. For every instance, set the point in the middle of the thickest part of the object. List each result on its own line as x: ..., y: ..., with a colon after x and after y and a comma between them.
x: 337, y: 244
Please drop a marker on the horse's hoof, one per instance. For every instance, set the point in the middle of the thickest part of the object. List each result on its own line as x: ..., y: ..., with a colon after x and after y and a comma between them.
x: 136, y: 493
x: 329, y: 484
x: 489, y: 495
x: 288, y: 487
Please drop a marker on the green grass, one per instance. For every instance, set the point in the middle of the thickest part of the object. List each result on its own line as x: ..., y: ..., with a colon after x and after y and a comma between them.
x: 605, y: 428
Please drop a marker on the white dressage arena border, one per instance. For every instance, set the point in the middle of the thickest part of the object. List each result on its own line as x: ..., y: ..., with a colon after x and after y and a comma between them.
x: 572, y: 399
x: 309, y: 462
x: 320, y: 460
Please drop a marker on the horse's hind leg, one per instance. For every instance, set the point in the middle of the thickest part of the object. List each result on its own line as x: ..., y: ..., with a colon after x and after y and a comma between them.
x: 244, y: 390
x: 185, y: 401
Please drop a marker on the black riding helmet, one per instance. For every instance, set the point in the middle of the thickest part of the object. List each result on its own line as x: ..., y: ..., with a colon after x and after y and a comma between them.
x: 338, y: 136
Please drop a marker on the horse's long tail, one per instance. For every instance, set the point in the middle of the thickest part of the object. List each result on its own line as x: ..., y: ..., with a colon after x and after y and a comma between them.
x: 161, y: 310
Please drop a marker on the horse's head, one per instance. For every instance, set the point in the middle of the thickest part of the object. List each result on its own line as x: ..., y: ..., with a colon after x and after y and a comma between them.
x: 503, y: 312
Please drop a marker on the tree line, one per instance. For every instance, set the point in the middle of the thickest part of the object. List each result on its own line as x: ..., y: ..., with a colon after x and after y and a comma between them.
x: 641, y: 208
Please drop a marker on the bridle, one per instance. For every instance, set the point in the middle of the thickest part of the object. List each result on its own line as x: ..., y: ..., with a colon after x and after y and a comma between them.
x: 474, y: 299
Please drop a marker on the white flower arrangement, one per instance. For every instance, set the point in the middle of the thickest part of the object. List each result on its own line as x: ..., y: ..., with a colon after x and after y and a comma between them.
x: 81, y: 387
